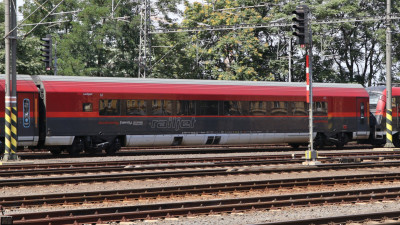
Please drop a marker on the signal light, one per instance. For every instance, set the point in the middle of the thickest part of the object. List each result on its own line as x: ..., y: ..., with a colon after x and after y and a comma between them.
x: 47, y: 44
x: 300, y: 25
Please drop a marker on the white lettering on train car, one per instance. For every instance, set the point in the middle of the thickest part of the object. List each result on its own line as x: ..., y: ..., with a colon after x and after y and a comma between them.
x: 174, y: 123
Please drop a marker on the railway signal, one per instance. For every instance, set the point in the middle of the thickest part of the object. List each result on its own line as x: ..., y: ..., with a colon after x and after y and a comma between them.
x: 47, y: 51
x: 300, y: 25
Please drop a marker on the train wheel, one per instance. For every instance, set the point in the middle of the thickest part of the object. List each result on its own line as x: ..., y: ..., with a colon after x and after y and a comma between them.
x: 319, y: 142
x: 114, y: 147
x: 76, y: 147
x: 342, y: 140
x: 2, y: 147
x: 55, y: 151
x: 396, y: 140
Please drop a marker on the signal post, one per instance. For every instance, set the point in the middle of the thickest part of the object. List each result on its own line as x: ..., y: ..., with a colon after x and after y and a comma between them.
x: 11, y: 114
x: 304, y: 39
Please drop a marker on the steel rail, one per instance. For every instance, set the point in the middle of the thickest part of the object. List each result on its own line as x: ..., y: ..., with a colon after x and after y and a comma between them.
x: 362, y: 155
x: 187, y: 173
x: 122, y: 168
x: 231, y: 164
x: 388, y: 218
x: 165, y: 210
x: 153, y: 193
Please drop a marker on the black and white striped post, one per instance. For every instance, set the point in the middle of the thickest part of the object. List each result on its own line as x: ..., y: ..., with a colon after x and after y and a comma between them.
x: 11, y: 115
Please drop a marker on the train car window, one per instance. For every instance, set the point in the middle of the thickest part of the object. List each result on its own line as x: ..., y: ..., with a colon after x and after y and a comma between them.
x: 258, y: 108
x: 232, y: 108
x: 109, y: 107
x: 320, y: 109
x: 279, y: 108
x: 299, y: 109
x: 27, y: 113
x: 136, y: 107
x: 87, y: 107
x: 362, y: 111
x: 208, y: 108
x: 187, y: 108
x: 161, y: 107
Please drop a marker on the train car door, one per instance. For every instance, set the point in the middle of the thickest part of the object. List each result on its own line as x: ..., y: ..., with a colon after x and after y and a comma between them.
x: 27, y: 119
x: 362, y: 115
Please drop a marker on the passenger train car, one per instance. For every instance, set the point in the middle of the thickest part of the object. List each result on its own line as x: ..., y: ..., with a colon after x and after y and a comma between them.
x: 380, y: 115
x: 91, y: 114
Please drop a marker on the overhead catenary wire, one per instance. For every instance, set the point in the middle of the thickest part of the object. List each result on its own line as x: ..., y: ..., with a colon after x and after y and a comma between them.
x: 266, y: 25
x: 55, y: 7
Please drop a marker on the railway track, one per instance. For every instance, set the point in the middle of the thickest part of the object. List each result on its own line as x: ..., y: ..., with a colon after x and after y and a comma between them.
x: 168, y: 171
x: 389, y: 218
x: 268, y: 159
x: 171, y: 150
x: 176, y: 174
x: 129, y: 213
x: 153, y: 193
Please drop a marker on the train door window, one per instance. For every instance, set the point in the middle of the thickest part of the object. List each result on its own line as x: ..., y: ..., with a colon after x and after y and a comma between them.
x: 320, y: 109
x: 109, y: 107
x: 362, y: 115
x: 208, y: 108
x: 136, y: 107
x: 27, y: 113
x: 87, y: 107
x: 187, y: 108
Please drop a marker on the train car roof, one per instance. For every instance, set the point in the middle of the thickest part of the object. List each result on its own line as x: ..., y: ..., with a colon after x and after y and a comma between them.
x: 24, y: 84
x: 186, y: 86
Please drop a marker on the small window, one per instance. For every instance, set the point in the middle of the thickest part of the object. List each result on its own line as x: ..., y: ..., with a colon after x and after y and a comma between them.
x: 258, y: 108
x: 279, y: 108
x: 136, y: 107
x: 161, y: 107
x: 232, y: 108
x: 109, y: 107
x: 208, y: 108
x: 299, y: 108
x: 87, y: 107
x: 320, y: 109
x: 186, y: 108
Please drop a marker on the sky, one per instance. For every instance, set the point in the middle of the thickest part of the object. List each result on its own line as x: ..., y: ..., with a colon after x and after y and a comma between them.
x: 19, y: 3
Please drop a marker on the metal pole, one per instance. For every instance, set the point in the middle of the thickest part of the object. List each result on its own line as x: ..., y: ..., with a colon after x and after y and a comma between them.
x: 290, y: 59
x: 11, y: 115
x: 311, y: 153
x: 14, y: 112
x: 7, y: 101
x: 55, y: 58
x: 389, y: 140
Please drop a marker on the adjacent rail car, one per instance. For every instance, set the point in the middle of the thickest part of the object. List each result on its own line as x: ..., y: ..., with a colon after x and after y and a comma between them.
x: 94, y: 113
x: 380, y: 115
x: 28, y: 111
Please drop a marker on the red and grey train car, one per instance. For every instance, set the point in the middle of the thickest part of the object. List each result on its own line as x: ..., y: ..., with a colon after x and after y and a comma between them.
x: 379, y: 135
x: 94, y: 113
